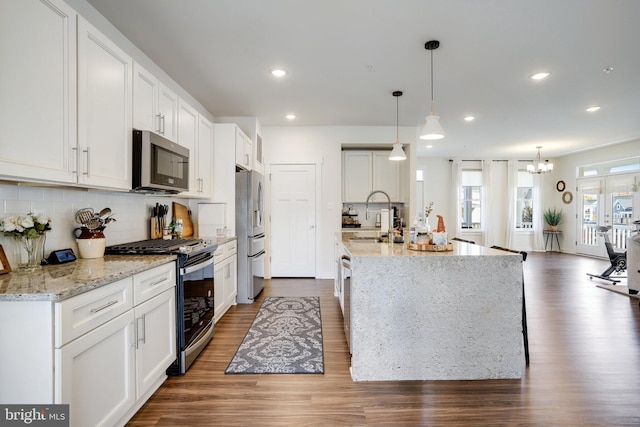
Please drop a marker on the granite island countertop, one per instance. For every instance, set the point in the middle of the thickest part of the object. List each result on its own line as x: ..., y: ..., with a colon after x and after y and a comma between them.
x: 371, y: 249
x: 418, y: 315
x: 58, y: 282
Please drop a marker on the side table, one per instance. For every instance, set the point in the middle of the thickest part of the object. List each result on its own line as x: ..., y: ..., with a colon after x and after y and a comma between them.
x: 551, y: 234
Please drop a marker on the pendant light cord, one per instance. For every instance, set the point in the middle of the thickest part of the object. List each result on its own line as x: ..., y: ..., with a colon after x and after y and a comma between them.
x: 397, y: 103
x: 432, y: 81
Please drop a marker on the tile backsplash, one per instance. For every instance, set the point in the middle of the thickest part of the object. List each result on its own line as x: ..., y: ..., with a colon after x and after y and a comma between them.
x: 131, y: 212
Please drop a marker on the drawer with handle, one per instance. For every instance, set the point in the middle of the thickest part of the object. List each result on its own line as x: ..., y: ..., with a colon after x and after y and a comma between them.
x: 82, y: 313
x: 153, y: 282
x: 232, y: 247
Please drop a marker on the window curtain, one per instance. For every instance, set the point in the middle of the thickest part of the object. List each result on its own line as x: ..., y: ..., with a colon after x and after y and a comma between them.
x: 538, y: 214
x: 456, y: 173
x: 511, y: 189
x: 496, y: 201
x: 487, y: 211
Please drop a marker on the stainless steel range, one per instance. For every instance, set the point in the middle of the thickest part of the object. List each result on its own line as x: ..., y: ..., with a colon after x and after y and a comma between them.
x: 194, y: 293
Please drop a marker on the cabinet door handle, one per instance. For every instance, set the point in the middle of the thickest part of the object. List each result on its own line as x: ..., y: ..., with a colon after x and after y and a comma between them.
x: 140, y: 337
x: 163, y: 124
x: 159, y: 123
x: 246, y: 162
x: 144, y: 329
x: 108, y: 304
x: 77, y: 161
x: 87, y: 173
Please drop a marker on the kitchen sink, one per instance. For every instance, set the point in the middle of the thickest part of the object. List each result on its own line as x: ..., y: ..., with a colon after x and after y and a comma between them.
x: 366, y: 240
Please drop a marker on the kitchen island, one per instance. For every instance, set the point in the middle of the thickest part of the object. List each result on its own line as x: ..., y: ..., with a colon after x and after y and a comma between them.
x: 454, y: 315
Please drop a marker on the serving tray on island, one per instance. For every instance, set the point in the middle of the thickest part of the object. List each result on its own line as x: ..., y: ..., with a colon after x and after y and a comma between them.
x: 430, y: 248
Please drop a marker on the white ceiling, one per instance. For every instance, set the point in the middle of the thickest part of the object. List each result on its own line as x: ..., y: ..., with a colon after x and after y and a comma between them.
x: 345, y: 57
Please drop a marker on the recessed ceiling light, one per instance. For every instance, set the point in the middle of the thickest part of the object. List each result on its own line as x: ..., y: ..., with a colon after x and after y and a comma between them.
x: 539, y: 76
x: 290, y: 116
x: 592, y: 108
x: 469, y: 118
x: 429, y: 146
x: 279, y: 72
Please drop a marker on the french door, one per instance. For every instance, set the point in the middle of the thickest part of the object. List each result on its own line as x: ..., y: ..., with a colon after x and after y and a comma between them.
x: 605, y: 201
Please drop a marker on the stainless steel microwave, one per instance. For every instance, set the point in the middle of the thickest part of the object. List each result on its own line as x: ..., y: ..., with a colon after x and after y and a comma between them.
x: 159, y: 165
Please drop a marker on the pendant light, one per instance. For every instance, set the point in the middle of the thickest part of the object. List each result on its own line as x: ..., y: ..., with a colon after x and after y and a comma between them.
x: 432, y: 128
x: 538, y: 166
x: 397, y: 153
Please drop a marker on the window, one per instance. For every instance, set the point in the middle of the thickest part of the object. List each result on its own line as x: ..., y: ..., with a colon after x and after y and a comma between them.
x: 470, y: 199
x: 524, y: 201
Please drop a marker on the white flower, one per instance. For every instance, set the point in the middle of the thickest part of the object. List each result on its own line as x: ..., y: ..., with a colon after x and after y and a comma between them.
x: 27, y: 222
x: 8, y: 224
x: 28, y: 226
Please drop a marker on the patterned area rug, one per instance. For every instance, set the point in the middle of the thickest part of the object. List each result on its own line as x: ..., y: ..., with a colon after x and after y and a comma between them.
x: 285, y: 338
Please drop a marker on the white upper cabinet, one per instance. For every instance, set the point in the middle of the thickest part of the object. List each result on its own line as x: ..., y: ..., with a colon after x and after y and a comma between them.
x: 258, y: 155
x: 188, y: 137
x: 356, y: 175
x: 104, y: 110
x: 155, y: 107
x: 365, y: 171
x: 244, y: 151
x: 386, y: 176
x: 37, y: 90
x: 204, y: 170
x: 196, y: 133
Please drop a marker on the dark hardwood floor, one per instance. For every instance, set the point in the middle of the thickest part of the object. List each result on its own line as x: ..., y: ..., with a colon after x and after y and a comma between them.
x: 585, y: 369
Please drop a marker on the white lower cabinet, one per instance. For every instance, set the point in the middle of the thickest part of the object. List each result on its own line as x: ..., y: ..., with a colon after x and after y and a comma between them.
x: 94, y: 373
x: 155, y: 340
x: 113, y: 346
x: 225, y: 276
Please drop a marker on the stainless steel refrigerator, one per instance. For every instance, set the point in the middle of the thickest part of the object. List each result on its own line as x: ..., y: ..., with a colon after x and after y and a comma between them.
x: 250, y: 232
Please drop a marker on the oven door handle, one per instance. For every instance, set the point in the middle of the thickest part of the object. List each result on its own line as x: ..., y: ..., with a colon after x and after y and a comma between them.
x: 198, y: 266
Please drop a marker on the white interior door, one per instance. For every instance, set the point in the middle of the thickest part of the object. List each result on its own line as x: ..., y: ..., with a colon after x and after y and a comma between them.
x: 293, y: 220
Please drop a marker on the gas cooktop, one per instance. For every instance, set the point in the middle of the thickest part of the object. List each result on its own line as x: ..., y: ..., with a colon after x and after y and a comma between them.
x: 154, y: 246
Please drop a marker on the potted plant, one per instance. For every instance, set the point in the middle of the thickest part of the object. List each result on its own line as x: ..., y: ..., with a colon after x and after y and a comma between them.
x: 553, y: 217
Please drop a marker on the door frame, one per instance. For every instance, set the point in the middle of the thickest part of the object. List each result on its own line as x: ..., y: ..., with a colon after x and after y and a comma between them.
x: 318, y: 212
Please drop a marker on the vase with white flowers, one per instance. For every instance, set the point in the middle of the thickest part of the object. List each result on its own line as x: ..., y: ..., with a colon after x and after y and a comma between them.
x: 28, y: 235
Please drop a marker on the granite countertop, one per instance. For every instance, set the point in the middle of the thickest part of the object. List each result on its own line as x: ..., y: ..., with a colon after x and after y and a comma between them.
x: 218, y: 240
x: 58, y: 282
x: 371, y: 249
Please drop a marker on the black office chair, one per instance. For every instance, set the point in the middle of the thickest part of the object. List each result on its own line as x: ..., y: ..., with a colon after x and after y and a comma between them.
x: 525, y: 333
x: 617, y: 259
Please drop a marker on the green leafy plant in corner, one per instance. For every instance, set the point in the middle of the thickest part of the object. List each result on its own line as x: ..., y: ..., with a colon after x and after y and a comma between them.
x: 553, y: 216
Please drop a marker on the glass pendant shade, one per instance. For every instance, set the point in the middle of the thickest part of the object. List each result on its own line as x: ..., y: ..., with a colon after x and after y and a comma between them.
x: 397, y: 153
x: 432, y: 128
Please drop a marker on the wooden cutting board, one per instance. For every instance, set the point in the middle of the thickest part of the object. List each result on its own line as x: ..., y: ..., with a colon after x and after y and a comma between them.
x: 182, y: 212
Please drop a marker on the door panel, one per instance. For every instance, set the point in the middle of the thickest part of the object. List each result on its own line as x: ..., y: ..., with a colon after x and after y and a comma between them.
x: 293, y: 221
x: 605, y: 201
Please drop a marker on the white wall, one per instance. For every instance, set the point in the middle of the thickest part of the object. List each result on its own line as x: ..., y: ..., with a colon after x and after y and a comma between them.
x: 565, y: 169
x: 321, y: 145
x: 437, y: 184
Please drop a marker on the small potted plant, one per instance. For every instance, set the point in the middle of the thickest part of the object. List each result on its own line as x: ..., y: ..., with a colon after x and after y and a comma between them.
x: 552, y: 217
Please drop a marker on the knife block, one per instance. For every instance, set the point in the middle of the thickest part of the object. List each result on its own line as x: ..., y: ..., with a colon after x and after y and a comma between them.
x: 155, y: 233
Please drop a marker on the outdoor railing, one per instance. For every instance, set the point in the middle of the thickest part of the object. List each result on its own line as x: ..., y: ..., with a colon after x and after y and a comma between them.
x: 618, y: 235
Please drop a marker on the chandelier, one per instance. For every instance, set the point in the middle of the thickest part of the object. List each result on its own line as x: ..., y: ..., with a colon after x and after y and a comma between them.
x: 538, y: 166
